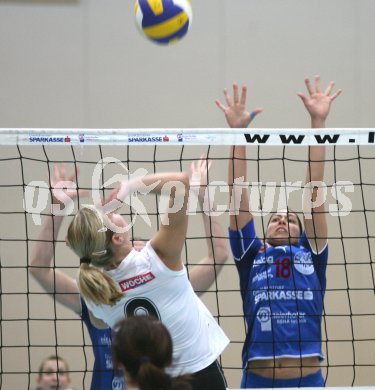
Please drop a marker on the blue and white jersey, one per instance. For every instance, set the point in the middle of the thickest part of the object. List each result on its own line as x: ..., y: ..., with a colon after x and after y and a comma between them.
x: 103, y: 376
x: 282, y: 289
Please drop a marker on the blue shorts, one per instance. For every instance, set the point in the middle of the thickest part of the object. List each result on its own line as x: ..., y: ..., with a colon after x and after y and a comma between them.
x: 254, y: 381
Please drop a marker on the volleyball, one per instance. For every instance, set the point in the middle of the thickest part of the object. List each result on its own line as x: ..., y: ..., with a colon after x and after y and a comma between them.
x: 163, y: 21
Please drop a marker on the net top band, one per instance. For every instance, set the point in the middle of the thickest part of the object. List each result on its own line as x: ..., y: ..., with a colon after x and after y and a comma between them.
x: 192, y: 136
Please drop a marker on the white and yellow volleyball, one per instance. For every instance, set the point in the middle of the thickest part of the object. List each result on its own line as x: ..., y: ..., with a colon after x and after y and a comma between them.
x: 163, y: 21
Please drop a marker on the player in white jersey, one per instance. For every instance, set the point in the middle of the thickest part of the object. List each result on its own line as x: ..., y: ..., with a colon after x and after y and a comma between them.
x: 117, y: 281
x: 201, y: 275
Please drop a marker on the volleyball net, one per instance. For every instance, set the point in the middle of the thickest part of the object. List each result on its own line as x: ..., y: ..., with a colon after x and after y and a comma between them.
x: 34, y: 325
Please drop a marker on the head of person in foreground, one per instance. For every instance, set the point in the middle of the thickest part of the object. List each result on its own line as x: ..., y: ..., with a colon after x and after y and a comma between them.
x: 142, y: 347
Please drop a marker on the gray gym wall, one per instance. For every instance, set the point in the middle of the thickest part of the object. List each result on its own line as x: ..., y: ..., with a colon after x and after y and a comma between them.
x: 83, y: 64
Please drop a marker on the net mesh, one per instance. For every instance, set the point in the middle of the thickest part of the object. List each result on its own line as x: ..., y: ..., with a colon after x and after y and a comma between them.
x: 34, y: 325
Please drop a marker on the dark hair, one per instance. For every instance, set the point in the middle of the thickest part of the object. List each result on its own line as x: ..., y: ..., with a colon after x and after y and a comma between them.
x: 142, y: 346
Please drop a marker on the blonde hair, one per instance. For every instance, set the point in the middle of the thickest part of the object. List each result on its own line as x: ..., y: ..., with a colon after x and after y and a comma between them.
x: 91, y: 241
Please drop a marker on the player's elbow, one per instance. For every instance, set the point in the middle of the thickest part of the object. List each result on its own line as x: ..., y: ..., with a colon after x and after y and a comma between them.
x: 33, y: 268
x: 39, y: 273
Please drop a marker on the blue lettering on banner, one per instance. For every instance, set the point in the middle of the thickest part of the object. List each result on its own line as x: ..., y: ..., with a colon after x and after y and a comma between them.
x: 145, y: 139
x: 46, y: 139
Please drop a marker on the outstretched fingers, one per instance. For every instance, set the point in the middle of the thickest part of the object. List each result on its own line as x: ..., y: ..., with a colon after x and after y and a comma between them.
x: 73, y: 175
x: 318, y: 89
x: 329, y: 89
x: 227, y: 97
x: 243, y: 95
x: 228, y: 100
x: 334, y: 96
x: 235, y: 112
x: 235, y: 94
x: 309, y: 86
x: 202, y: 165
x: 237, y: 99
x: 318, y: 86
x: 220, y: 105
x: 59, y: 172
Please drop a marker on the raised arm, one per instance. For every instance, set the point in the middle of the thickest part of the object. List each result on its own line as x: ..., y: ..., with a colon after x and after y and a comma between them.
x: 237, y: 117
x: 170, y: 239
x: 51, y: 279
x: 173, y: 188
x: 318, y: 105
x: 204, y: 273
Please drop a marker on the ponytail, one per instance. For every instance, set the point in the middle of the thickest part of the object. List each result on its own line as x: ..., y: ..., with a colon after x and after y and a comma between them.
x: 97, y: 287
x: 91, y: 241
x: 151, y: 377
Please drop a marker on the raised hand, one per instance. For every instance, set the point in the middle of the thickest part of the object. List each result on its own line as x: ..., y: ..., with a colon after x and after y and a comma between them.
x: 318, y: 103
x: 235, y: 111
x: 199, y: 175
x: 64, y: 188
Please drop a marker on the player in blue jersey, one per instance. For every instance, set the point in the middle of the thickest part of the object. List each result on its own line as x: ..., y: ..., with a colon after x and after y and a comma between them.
x: 64, y: 288
x: 283, y: 277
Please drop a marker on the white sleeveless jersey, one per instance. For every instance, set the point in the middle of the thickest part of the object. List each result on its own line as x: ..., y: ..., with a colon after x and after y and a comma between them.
x: 151, y: 288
